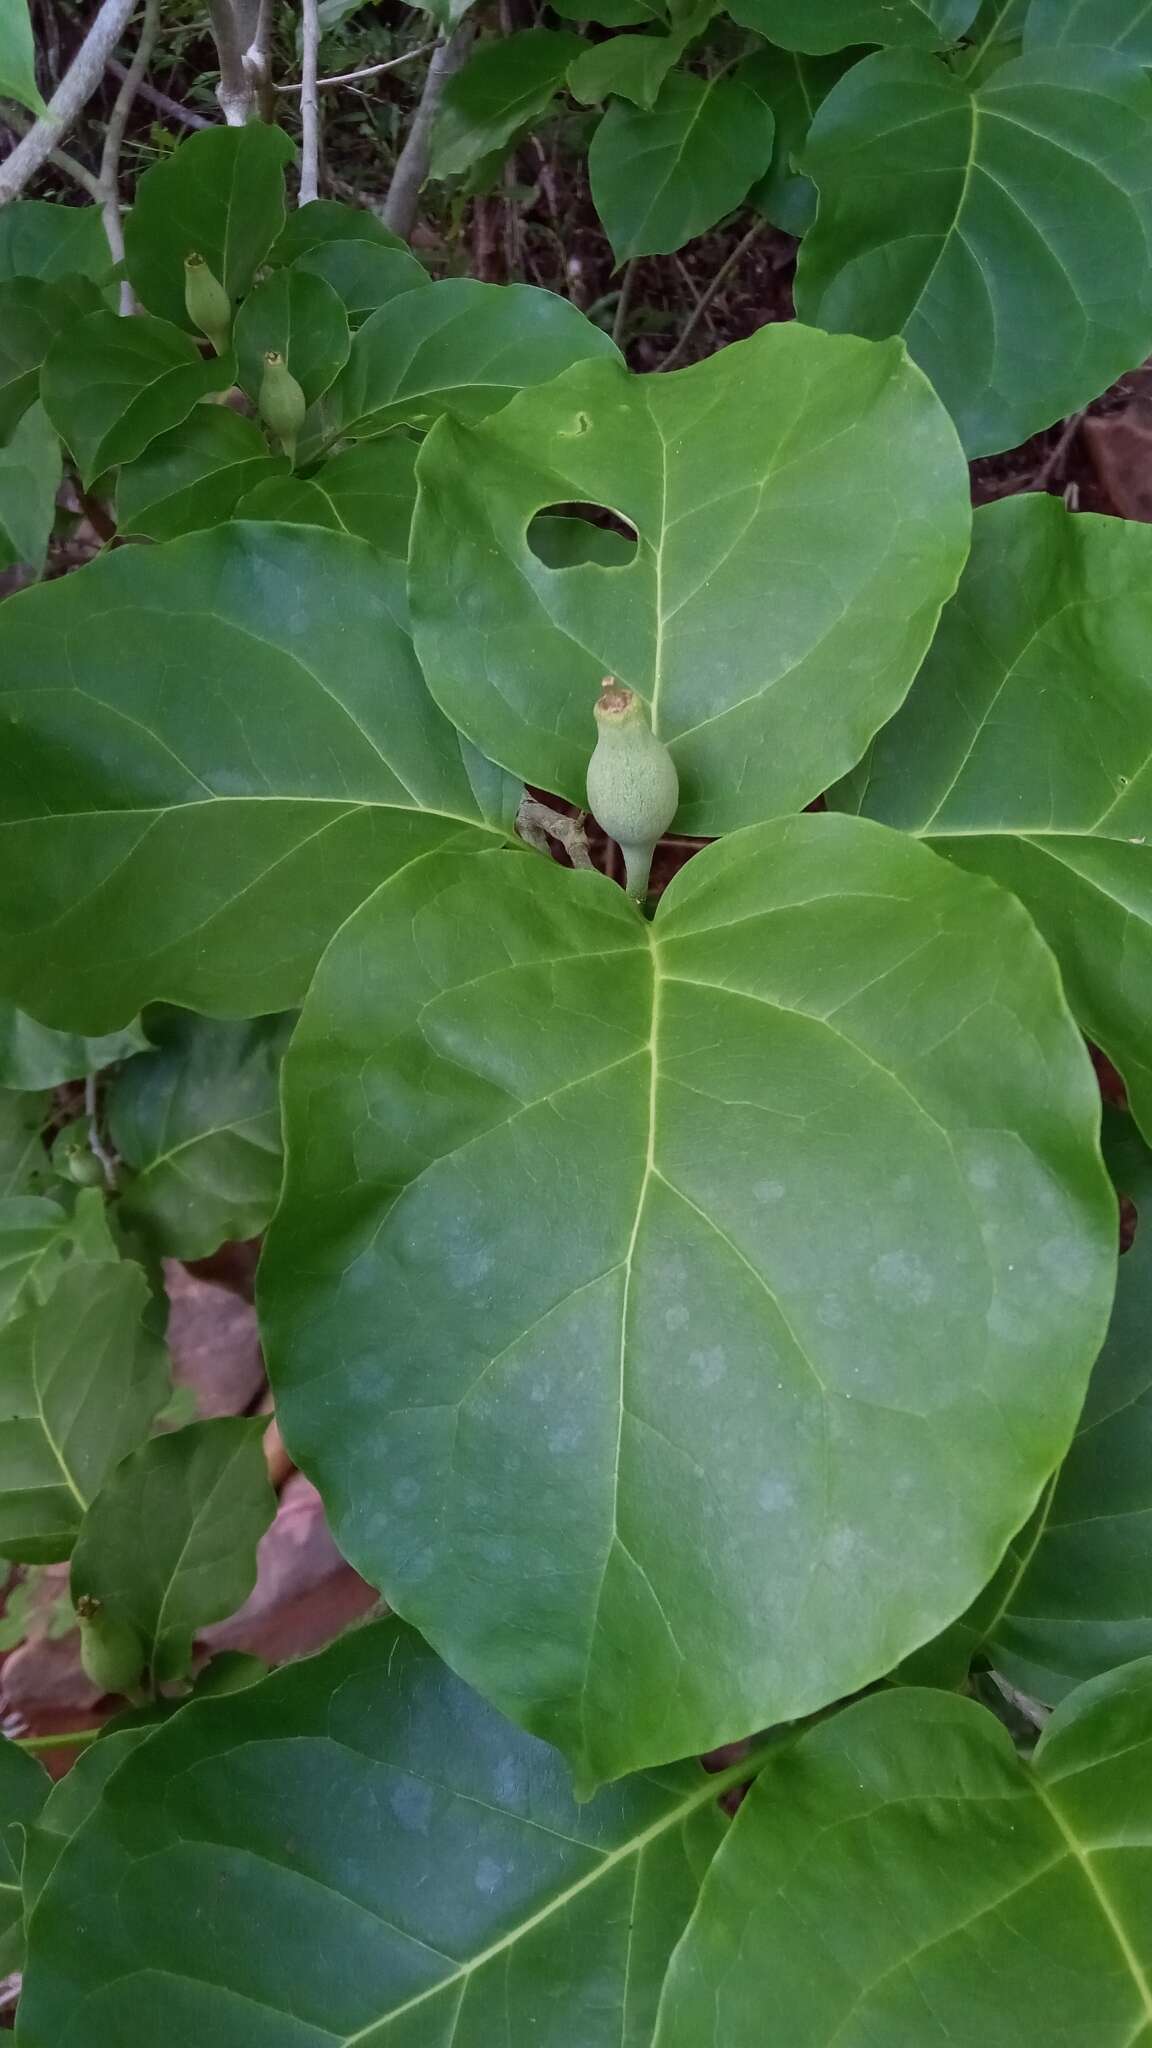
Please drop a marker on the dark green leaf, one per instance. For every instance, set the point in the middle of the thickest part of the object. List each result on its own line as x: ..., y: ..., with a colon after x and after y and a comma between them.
x: 632, y: 67
x: 24, y: 1787
x: 900, y: 1876
x: 300, y: 316
x: 793, y: 86
x: 198, y: 1123
x: 249, y: 750
x: 220, y: 195
x: 612, y: 13
x: 294, y: 500
x: 507, y: 81
x: 32, y: 313
x: 32, y: 1056
x: 820, y: 26
x: 24, y: 1168
x: 660, y: 177
x: 111, y: 386
x: 644, y: 1464
x: 18, y: 74
x: 793, y: 478
x: 169, y: 1544
x: 39, y: 239
x: 364, y: 275
x: 990, y: 226
x: 194, y: 476
x: 325, y: 221
x: 1122, y: 25
x: 372, y: 490
x: 69, y: 1802
x: 417, y: 1870
x: 30, y: 470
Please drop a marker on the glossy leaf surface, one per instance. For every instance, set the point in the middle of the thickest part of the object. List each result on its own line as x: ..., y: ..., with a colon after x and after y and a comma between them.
x: 661, y: 176
x: 507, y: 81
x: 1002, y: 230
x: 30, y: 472
x: 900, y: 1872
x: 111, y: 386
x: 420, y: 1872
x: 194, y: 476
x: 300, y: 316
x: 200, y: 842
x: 364, y: 275
x: 802, y: 510
x: 221, y: 196
x: 640, y: 1489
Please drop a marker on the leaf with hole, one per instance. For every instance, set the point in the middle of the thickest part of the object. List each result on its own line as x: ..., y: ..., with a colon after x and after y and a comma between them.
x: 802, y: 509
x: 302, y: 318
x: 640, y: 1490
x: 659, y: 177
x: 220, y: 196
x: 195, y: 475
x: 1002, y: 229
x: 111, y: 386
x: 508, y: 80
x: 31, y: 467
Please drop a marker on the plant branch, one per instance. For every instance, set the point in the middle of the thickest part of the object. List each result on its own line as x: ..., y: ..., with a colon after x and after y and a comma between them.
x: 369, y: 71
x: 736, y: 256
x: 109, y: 182
x: 234, y: 91
x: 399, y: 210
x: 256, y: 60
x: 68, y: 101
x: 76, y: 1738
x: 160, y: 100
x: 309, y: 104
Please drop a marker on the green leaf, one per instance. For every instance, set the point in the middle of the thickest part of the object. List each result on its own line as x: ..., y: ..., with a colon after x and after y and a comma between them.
x: 364, y: 275
x: 24, y: 1787
x: 639, y: 1486
x: 31, y: 467
x: 324, y: 222
x: 661, y: 177
x: 418, y: 1870
x: 111, y: 386
x: 221, y: 195
x: 301, y: 316
x: 36, y: 1237
x: 32, y: 313
x: 40, y: 239
x: 32, y: 1056
x: 989, y: 227
x: 566, y: 543
x: 201, y: 840
x: 294, y: 500
x: 612, y: 13
x: 69, y: 1802
x: 198, y: 1123
x: 1121, y: 25
x: 820, y: 26
x: 194, y: 476
x: 24, y: 1168
x: 633, y: 67
x: 462, y: 348
x: 81, y: 1377
x: 901, y: 1874
x: 372, y: 490
x: 794, y: 86
x: 170, y: 1543
x: 507, y: 81
x: 18, y: 63
x: 1023, y: 752
x: 795, y: 478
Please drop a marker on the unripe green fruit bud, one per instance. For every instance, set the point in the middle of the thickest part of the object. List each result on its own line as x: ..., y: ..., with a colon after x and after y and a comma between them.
x: 110, y: 1649
x: 73, y: 1157
x: 282, y: 403
x: 208, y: 305
x: 633, y: 788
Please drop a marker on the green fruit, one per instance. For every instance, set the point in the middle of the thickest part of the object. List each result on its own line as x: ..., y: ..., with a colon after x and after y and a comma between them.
x: 208, y: 305
x: 73, y: 1157
x: 633, y: 788
x: 282, y: 403
x: 110, y: 1649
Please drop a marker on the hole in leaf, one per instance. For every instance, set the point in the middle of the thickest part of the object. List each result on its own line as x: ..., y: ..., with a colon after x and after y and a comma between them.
x: 566, y: 536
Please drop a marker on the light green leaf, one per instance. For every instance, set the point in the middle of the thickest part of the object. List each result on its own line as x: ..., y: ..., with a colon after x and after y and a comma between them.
x: 18, y: 66
x: 197, y: 1122
x: 1024, y: 752
x: 24, y: 1787
x: 295, y: 500
x: 644, y: 1467
x: 220, y: 195
x: 820, y: 26
x: 1121, y: 25
x: 324, y: 222
x: 661, y: 177
x: 565, y: 543
x: 794, y: 87
x: 989, y: 227
x: 301, y: 316
x: 24, y: 1168
x: 36, y: 1237
x: 32, y: 1056
x: 797, y: 479
x: 40, y: 239
x: 418, y: 1869
x: 111, y: 386
x: 31, y: 467
x: 462, y: 348
x: 900, y: 1874
x: 81, y: 1377
x: 364, y: 275
x: 32, y: 313
x: 633, y: 67
x: 371, y: 488
x: 169, y: 1544
x: 194, y: 476
x: 507, y: 81
x: 291, y: 758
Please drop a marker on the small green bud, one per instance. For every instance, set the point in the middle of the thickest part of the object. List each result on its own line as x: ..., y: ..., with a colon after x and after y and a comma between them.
x: 282, y: 403
x: 110, y: 1649
x: 208, y: 305
x: 73, y: 1157
x: 633, y: 788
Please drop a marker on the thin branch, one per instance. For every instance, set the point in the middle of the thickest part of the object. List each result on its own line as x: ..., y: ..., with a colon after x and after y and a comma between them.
x: 109, y: 194
x: 75, y: 1738
x: 234, y: 91
x: 256, y: 60
x: 675, y: 355
x: 369, y: 71
x: 309, y: 103
x: 160, y: 100
x: 68, y: 101
x: 95, y: 1142
x: 399, y: 210
x: 624, y: 300
x: 21, y: 124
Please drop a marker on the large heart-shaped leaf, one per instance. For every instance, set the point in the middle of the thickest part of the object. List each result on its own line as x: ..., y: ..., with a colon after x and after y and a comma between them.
x: 300, y: 316
x: 802, y: 510
x: 31, y: 466
x: 169, y: 1544
x: 247, y: 750
x: 1123, y: 25
x: 195, y: 475
x: 325, y: 221
x: 1024, y: 751
x: 802, y: 1263
x: 419, y: 1872
x: 220, y: 195
x: 507, y: 81
x: 39, y: 239
x: 32, y: 1056
x: 659, y: 176
x: 901, y: 1876
x: 197, y: 1122
x: 819, y: 26
x: 1002, y: 228
x: 33, y: 312
x: 110, y: 386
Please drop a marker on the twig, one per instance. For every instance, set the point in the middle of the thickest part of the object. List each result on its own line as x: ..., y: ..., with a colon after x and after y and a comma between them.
x: 1054, y: 461
x: 68, y: 101
x: 624, y: 301
x: 537, y: 823
x: 309, y: 104
x: 160, y: 100
x: 21, y: 123
x: 369, y: 71
x: 709, y: 293
x: 76, y: 1738
x: 399, y: 212
x: 256, y: 60
x: 96, y: 1143
x: 109, y: 198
